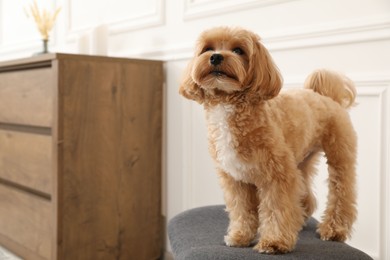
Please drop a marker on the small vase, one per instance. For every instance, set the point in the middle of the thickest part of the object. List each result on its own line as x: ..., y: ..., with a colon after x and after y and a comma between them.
x: 45, y: 48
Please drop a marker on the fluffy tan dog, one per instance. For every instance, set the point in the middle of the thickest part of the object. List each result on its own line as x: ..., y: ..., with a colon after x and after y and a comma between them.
x: 266, y: 144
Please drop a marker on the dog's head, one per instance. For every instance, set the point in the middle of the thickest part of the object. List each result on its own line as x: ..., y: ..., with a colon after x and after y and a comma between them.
x: 228, y: 61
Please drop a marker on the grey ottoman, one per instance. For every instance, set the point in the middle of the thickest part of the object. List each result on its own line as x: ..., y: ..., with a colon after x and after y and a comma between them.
x: 197, y: 234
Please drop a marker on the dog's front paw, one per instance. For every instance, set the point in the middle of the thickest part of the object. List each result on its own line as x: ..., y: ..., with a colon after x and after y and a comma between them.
x: 238, y: 239
x: 332, y: 232
x: 273, y: 247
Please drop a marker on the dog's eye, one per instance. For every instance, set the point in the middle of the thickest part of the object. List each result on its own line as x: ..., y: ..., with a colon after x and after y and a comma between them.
x: 238, y: 51
x: 207, y: 49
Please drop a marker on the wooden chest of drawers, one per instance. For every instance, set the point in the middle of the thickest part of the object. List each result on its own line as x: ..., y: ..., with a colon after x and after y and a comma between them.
x: 80, y: 157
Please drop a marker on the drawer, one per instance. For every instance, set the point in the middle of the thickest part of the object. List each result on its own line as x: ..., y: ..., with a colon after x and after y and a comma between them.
x: 26, y: 97
x: 25, y: 159
x: 26, y: 220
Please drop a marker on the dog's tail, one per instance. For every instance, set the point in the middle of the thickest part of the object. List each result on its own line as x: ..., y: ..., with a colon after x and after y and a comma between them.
x: 334, y: 85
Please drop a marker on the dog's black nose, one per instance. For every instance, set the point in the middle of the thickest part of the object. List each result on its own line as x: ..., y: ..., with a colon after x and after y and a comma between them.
x: 216, y: 59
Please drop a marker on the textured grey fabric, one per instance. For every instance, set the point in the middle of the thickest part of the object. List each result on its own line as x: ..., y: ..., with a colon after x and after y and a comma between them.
x: 197, y: 234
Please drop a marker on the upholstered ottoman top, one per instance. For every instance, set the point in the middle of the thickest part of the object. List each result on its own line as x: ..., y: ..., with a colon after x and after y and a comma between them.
x: 198, y: 234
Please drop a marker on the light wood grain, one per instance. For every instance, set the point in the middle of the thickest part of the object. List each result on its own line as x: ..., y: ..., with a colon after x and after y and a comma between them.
x: 25, y: 219
x: 26, y: 159
x: 26, y: 97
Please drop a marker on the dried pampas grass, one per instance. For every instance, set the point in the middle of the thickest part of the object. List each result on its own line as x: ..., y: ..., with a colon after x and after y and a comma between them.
x: 44, y: 20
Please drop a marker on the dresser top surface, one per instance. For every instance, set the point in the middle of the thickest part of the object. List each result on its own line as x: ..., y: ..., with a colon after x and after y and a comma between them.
x: 48, y: 58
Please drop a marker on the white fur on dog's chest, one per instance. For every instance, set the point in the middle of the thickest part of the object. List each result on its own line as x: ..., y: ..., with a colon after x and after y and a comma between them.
x: 225, y: 143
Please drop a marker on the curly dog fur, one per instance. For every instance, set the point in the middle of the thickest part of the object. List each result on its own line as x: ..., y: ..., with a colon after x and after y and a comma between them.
x: 266, y: 143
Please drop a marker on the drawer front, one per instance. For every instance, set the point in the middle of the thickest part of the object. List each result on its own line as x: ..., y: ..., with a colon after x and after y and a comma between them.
x: 26, y: 97
x: 26, y: 220
x: 25, y: 159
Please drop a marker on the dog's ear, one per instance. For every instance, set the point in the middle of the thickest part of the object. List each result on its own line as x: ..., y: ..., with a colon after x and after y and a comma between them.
x: 188, y: 88
x: 266, y: 79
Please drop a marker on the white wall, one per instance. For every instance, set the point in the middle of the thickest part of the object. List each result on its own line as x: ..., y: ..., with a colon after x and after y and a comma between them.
x: 352, y: 36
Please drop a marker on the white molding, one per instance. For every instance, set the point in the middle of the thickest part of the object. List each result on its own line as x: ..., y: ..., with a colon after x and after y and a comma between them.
x: 195, y: 9
x: 340, y: 32
x: 25, y: 46
x: 366, y: 84
x: 381, y: 81
x: 384, y: 250
x: 172, y: 52
x: 154, y: 17
x: 28, y: 47
x: 381, y: 91
x: 187, y: 149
